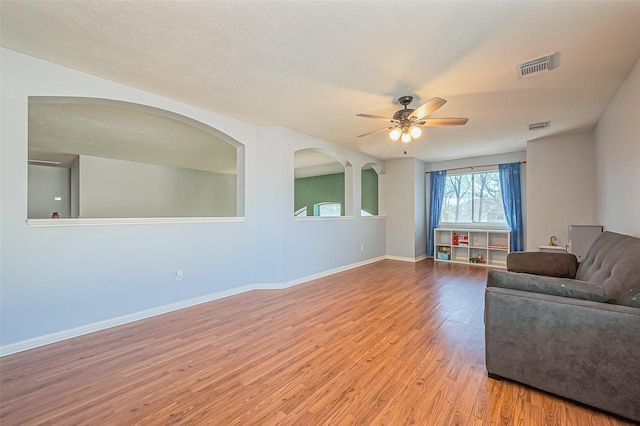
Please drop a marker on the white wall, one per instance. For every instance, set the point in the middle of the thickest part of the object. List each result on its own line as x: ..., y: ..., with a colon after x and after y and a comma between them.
x: 476, y: 162
x: 46, y: 183
x: 405, y: 200
x: 75, y: 187
x: 118, y: 188
x: 57, y: 281
x: 420, y: 209
x: 398, y: 198
x: 588, y: 178
x: 561, y: 178
x: 317, y: 244
x: 617, y: 146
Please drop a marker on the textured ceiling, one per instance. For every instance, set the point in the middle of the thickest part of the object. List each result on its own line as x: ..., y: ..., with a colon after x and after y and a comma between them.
x: 311, y: 66
x: 123, y: 131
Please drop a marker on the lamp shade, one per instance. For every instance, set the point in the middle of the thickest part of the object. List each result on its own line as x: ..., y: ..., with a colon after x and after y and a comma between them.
x: 394, y: 134
x: 406, y: 137
x: 416, y: 132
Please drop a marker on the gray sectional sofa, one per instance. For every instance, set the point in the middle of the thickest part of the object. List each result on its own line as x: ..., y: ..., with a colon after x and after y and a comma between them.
x: 570, y: 329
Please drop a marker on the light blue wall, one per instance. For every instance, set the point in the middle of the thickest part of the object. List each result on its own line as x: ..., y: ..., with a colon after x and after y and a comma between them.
x: 398, y: 190
x: 118, y: 188
x: 55, y: 279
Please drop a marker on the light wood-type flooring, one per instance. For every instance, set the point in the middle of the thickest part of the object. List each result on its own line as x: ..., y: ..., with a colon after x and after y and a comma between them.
x: 389, y: 343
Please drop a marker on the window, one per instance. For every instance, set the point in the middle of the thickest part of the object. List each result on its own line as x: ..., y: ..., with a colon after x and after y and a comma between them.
x: 473, y: 198
x: 327, y: 209
x: 301, y: 212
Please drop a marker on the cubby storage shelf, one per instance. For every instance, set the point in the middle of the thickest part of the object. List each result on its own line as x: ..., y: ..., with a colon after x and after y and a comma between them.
x: 486, y: 247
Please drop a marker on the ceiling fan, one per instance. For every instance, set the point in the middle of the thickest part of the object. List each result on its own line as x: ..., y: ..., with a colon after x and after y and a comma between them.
x: 406, y: 123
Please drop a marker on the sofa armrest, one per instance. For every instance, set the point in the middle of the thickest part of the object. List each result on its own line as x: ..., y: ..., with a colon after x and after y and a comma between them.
x: 583, y: 350
x: 562, y: 265
x: 564, y: 287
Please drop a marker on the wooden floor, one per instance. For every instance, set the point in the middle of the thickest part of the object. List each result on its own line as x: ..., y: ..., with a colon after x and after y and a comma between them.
x: 390, y: 343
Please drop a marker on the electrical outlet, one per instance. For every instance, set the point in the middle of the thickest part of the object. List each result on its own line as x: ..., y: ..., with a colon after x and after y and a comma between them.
x: 179, y: 275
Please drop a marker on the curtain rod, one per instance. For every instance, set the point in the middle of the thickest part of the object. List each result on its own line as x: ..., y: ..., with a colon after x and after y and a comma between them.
x: 477, y: 167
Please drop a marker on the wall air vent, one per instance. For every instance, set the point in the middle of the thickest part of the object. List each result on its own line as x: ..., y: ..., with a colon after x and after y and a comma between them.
x: 45, y: 162
x: 538, y: 65
x: 540, y: 125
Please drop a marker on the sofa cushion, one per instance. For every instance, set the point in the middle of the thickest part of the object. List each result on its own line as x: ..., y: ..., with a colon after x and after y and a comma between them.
x: 563, y: 265
x: 565, y: 287
x: 631, y: 297
x: 614, y: 262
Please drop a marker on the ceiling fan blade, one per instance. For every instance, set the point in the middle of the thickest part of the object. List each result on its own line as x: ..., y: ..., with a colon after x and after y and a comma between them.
x: 377, y: 130
x: 377, y: 117
x: 427, y: 108
x: 443, y: 122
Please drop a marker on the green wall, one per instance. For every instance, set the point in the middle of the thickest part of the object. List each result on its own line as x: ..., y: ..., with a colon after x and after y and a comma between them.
x: 319, y: 189
x: 370, y: 191
x: 330, y: 188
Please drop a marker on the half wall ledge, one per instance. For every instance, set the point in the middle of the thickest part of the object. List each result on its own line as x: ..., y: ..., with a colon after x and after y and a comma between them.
x: 47, y: 223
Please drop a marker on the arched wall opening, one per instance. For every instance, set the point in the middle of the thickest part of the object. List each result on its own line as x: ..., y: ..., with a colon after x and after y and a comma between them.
x: 322, y: 182
x: 102, y: 158
x: 369, y: 189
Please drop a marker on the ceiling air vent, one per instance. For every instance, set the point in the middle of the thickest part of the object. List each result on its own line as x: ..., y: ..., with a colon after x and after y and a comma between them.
x: 540, y: 125
x: 536, y: 66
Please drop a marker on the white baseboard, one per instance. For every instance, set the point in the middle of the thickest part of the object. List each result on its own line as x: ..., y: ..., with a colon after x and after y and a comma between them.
x: 406, y: 259
x: 136, y: 316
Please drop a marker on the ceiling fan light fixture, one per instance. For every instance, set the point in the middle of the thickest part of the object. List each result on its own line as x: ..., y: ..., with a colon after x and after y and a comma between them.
x: 406, y: 122
x: 395, y: 134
